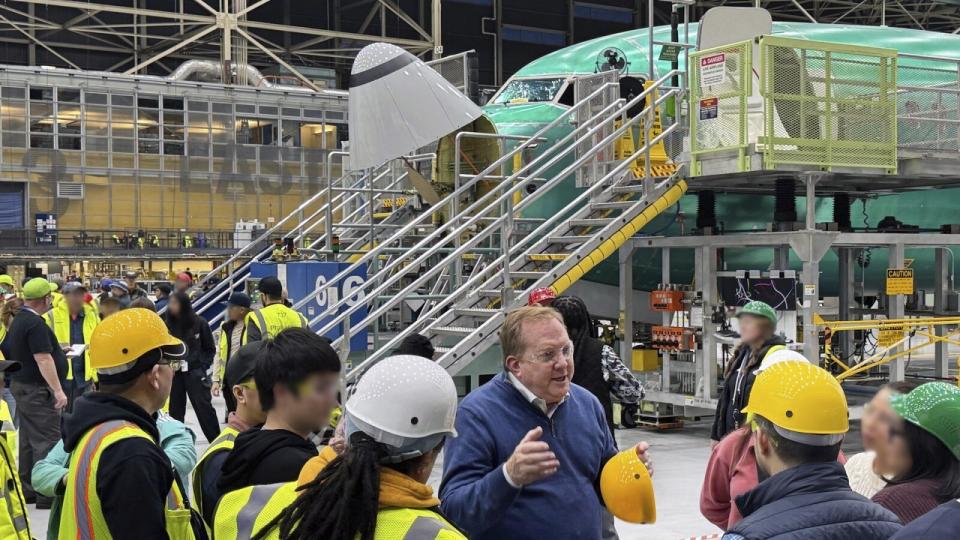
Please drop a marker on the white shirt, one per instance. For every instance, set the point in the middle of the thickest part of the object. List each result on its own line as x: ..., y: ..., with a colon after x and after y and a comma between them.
x: 537, y: 402
x: 863, y: 479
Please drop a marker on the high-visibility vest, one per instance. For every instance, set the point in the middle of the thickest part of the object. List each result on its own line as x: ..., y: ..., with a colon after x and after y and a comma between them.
x: 244, y: 512
x: 273, y: 319
x: 223, y: 443
x: 14, y: 521
x: 225, y: 348
x: 58, y: 319
x: 8, y: 432
x: 82, y: 517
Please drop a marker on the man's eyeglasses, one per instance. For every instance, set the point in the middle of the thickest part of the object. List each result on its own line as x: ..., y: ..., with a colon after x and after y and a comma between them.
x: 175, y: 364
x: 550, y: 356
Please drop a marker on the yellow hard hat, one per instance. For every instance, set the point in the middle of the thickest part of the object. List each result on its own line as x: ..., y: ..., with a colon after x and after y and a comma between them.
x: 627, y: 489
x: 801, y: 398
x: 129, y: 334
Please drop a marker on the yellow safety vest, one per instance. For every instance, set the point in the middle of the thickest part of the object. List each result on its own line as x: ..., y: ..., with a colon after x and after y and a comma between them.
x: 82, y: 517
x: 225, y: 348
x: 273, y: 319
x: 14, y: 521
x: 223, y: 443
x: 8, y: 432
x: 244, y: 512
x: 58, y: 319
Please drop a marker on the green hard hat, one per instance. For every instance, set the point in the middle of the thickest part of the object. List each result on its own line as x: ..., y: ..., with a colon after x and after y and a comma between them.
x: 759, y: 309
x: 935, y: 408
x: 36, y: 288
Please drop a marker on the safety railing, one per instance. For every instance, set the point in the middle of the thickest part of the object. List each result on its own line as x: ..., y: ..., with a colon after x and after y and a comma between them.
x: 928, y: 89
x: 458, y: 70
x: 721, y: 83
x: 465, y: 222
x: 817, y: 104
x: 322, y: 217
x: 828, y: 105
x: 145, y: 241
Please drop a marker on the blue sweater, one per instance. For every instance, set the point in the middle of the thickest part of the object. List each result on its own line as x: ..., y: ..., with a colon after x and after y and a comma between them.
x: 491, y: 422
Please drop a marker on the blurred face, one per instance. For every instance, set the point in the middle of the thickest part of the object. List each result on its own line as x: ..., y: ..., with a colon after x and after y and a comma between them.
x: 174, y: 306
x: 160, y: 379
x: 893, y: 454
x: 6, y: 289
x: 131, y: 282
x: 236, y: 313
x: 117, y: 292
x: 181, y: 286
x: 75, y: 300
x: 309, y: 409
x: 876, y: 420
x: 546, y: 365
x: 753, y: 329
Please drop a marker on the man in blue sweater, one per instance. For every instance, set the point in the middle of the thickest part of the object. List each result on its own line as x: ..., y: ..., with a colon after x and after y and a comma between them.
x: 531, y: 445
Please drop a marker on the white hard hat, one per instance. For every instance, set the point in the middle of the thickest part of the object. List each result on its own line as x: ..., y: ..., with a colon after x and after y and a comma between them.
x: 405, y: 402
x: 782, y: 355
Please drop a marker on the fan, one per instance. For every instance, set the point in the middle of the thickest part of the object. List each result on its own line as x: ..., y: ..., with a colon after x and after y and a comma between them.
x: 612, y: 59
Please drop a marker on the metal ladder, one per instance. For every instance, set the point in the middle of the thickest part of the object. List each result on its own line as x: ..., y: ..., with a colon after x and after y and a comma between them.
x: 571, y: 241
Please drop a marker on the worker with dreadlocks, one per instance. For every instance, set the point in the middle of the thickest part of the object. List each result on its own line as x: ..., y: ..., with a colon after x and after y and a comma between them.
x: 596, y: 365
x: 377, y: 489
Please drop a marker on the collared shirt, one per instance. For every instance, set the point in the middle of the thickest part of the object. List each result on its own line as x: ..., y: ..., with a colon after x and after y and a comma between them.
x: 533, y: 399
x: 537, y: 402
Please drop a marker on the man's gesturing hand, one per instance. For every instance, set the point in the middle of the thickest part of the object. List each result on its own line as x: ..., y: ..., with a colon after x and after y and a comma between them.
x: 532, y: 459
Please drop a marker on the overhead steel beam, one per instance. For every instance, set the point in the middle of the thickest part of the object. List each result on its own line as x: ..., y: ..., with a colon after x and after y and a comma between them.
x: 171, y: 50
x: 393, y: 7
x: 36, y: 41
x: 278, y: 60
x: 75, y: 4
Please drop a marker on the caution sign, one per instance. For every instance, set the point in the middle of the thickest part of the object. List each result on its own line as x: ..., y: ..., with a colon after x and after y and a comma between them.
x: 708, y: 108
x: 899, y: 281
x: 713, y: 69
x: 889, y: 336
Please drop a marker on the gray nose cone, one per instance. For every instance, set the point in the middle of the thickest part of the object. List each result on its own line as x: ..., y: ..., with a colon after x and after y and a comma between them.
x: 398, y: 104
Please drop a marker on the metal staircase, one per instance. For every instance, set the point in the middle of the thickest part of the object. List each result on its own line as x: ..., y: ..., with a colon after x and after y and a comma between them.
x: 560, y: 250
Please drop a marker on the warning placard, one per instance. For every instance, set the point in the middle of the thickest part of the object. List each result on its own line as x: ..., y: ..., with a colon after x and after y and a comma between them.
x: 713, y: 69
x: 708, y: 108
x: 899, y: 281
x: 890, y: 336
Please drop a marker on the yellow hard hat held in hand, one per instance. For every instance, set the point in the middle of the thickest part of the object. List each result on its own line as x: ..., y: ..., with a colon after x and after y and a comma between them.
x: 627, y: 489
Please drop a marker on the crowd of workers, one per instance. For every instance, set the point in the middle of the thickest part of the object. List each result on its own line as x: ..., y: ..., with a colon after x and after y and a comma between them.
x: 99, y: 396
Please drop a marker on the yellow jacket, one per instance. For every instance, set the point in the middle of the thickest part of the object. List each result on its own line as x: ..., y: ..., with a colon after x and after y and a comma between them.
x: 14, y: 520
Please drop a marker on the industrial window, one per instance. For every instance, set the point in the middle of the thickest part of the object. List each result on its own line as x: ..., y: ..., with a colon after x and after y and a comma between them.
x: 603, y: 13
x: 536, y: 36
x: 260, y: 131
x: 528, y: 91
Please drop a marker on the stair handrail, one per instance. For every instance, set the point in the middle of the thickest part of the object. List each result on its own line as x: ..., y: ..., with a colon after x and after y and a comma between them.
x: 537, y: 234
x: 375, y: 250
x: 204, y: 301
x: 491, y: 228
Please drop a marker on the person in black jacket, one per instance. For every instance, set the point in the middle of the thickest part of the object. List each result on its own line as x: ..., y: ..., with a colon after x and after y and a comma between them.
x: 135, y: 359
x: 194, y: 331
x: 297, y: 378
x: 758, y: 326
x: 799, y: 417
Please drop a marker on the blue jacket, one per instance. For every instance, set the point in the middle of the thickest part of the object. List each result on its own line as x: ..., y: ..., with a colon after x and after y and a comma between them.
x: 490, y: 423
x: 941, y: 522
x: 810, y: 502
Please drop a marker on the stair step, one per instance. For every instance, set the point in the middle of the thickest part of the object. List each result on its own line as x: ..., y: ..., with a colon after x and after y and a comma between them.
x: 489, y: 292
x: 590, y: 222
x: 568, y: 239
x: 453, y: 330
x: 526, y: 274
x: 612, y: 205
x: 475, y: 312
x: 547, y: 256
x: 628, y: 188
x: 441, y: 350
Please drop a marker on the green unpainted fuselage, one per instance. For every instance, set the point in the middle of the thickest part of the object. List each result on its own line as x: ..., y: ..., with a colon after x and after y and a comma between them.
x: 928, y: 209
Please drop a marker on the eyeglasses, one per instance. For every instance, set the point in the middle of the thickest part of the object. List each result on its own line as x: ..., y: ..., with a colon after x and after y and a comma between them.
x: 552, y: 355
x: 175, y: 365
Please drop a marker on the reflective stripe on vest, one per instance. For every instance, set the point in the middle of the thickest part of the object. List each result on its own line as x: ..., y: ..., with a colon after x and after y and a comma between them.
x: 264, y: 331
x: 247, y: 517
x: 13, y: 496
x: 223, y: 442
x: 81, y: 499
x: 425, y: 528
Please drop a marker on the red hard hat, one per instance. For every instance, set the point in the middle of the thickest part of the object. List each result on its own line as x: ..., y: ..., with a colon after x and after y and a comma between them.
x: 183, y: 276
x: 541, y: 296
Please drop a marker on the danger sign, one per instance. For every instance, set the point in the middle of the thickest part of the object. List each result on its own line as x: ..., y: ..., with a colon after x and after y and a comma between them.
x: 713, y: 69
x: 899, y: 281
x: 890, y: 336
